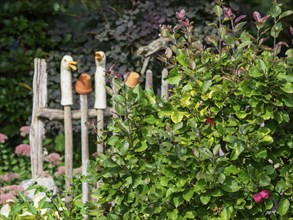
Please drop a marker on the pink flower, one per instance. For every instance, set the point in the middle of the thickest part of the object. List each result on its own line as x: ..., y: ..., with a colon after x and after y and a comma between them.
x: 4, y: 198
x: 13, y: 189
x: 185, y: 23
x: 258, y: 19
x: 23, y: 149
x: 60, y: 171
x: 291, y: 30
x: 228, y: 13
x: 53, y: 158
x: 3, y: 138
x: 180, y: 15
x: 9, y: 177
x: 257, y: 198
x: 24, y: 130
x: 265, y: 193
x: 9, y: 192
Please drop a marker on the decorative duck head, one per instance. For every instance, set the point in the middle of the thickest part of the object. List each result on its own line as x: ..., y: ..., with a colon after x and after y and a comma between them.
x: 100, y: 58
x: 100, y: 80
x: 67, y: 63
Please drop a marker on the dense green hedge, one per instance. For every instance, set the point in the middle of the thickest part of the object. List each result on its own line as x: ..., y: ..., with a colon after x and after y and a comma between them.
x: 221, y: 147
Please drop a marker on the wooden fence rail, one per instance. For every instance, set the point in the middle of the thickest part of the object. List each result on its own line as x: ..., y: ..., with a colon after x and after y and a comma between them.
x: 41, y: 112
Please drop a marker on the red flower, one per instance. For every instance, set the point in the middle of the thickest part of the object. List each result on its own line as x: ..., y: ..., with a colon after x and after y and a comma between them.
x: 257, y: 198
x: 265, y: 194
x: 210, y: 121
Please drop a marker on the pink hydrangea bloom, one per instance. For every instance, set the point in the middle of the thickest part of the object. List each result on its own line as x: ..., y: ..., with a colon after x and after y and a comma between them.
x: 23, y: 149
x: 9, y: 177
x: 3, y: 138
x: 257, y: 198
x: 53, y: 158
x: 13, y: 189
x: 60, y: 171
x: 24, y: 130
x: 6, y: 197
x: 9, y: 192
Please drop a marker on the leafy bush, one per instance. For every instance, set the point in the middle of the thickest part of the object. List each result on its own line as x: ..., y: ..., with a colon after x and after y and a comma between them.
x: 221, y: 147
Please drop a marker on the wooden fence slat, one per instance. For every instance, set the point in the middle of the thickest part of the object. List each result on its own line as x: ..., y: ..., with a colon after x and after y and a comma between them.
x: 100, y: 126
x: 68, y: 146
x: 57, y: 114
x: 164, y: 85
x: 37, y: 131
x: 149, y: 79
x: 84, y: 145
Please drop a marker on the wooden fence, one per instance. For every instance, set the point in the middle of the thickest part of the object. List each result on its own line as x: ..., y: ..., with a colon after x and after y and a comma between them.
x: 41, y: 112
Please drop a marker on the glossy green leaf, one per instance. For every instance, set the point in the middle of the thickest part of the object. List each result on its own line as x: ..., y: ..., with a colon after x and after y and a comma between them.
x: 218, y: 10
x: 283, y: 207
x: 188, y: 194
x: 178, y: 201
x: 255, y: 72
x: 231, y: 184
x: 267, y: 140
x: 182, y: 59
x: 288, y: 88
x: 285, y: 14
x: 143, y: 147
x: 205, y: 199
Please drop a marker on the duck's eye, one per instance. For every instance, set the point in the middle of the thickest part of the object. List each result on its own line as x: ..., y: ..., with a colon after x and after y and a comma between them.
x: 65, y: 60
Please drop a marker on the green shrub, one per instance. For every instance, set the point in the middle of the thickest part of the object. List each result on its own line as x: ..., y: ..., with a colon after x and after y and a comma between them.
x: 221, y: 147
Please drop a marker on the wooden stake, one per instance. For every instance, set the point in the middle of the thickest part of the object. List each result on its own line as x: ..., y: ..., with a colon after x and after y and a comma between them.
x: 144, y: 65
x: 84, y: 146
x: 114, y: 87
x: 100, y: 95
x: 100, y: 127
x: 149, y: 79
x: 37, y: 131
x: 67, y: 64
x: 68, y: 147
x: 164, y: 86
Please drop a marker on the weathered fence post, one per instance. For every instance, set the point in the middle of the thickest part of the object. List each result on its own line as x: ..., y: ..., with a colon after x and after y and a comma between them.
x: 164, y: 85
x: 37, y: 131
x: 67, y: 63
x: 83, y: 87
x: 100, y: 95
x: 149, y: 79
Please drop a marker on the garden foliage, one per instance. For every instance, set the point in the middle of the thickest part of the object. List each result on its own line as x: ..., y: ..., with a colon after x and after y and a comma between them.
x: 221, y: 147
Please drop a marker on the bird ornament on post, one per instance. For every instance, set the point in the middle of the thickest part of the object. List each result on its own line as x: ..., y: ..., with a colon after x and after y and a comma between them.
x: 100, y: 95
x: 67, y: 64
